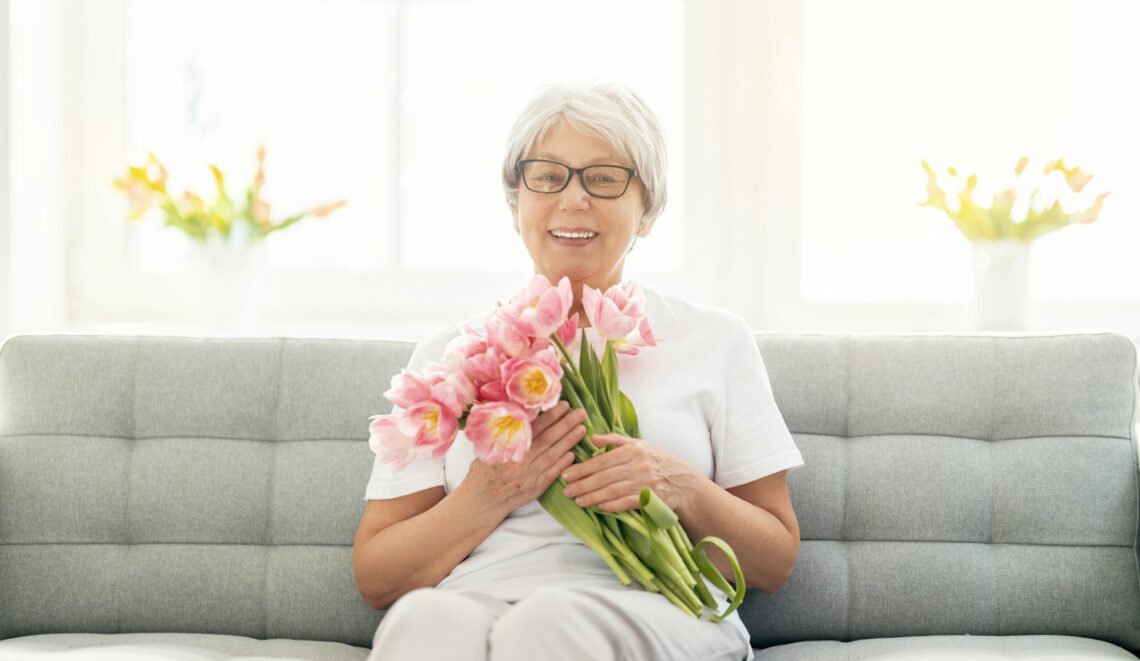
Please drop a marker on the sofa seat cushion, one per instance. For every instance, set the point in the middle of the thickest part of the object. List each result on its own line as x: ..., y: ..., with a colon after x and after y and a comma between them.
x: 948, y: 648
x: 174, y: 646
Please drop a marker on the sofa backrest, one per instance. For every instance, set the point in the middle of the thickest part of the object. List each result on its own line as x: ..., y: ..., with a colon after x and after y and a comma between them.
x: 958, y: 485
x: 952, y: 485
x: 186, y: 484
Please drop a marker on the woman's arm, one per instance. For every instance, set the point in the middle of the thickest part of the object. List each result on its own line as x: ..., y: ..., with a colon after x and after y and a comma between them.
x: 416, y: 540
x: 757, y: 521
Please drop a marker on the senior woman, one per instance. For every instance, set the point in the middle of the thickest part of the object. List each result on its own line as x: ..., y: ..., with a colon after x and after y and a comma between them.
x: 467, y: 562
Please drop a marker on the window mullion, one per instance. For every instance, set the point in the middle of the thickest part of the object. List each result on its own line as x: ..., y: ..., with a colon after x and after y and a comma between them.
x: 395, y: 245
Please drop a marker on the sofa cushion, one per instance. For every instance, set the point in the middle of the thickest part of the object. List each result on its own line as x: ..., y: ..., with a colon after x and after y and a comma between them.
x: 949, y: 648
x: 982, y: 485
x: 954, y: 485
x: 186, y: 484
x: 174, y: 646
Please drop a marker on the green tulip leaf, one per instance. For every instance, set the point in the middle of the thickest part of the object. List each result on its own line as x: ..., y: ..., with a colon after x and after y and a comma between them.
x: 628, y: 416
x: 661, y: 514
x: 709, y: 570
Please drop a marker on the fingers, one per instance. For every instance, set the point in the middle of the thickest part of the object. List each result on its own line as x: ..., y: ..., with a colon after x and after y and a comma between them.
x: 547, y: 418
x: 595, y: 481
x: 552, y: 472
x: 563, y: 426
x: 566, y: 442
x: 599, y: 464
x: 625, y: 490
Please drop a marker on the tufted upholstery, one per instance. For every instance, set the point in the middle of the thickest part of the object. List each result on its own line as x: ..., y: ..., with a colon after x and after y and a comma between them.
x: 981, y: 485
x: 954, y: 485
x: 174, y: 484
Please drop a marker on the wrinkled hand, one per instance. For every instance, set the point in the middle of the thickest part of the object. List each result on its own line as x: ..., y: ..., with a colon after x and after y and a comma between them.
x: 509, y: 485
x: 614, y: 480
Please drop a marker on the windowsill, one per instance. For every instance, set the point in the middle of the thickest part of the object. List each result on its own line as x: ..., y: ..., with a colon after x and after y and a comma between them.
x: 412, y: 332
x: 415, y: 331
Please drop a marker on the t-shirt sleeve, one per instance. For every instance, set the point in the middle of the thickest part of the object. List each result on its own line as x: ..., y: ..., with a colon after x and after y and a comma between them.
x: 749, y: 435
x: 421, y: 473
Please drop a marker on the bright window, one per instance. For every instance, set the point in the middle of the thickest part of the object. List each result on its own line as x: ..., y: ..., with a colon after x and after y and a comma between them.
x: 371, y: 101
x: 975, y: 85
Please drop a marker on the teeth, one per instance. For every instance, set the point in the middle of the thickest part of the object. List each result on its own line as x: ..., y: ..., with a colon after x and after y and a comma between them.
x: 574, y: 235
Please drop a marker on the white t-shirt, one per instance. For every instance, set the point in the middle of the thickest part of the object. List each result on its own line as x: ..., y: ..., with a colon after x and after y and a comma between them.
x: 702, y: 393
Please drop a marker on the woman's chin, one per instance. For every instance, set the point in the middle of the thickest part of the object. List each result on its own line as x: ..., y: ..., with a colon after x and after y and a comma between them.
x: 556, y: 273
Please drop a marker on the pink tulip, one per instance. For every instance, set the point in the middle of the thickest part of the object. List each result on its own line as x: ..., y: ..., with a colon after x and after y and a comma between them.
x: 431, y: 425
x: 500, y: 431
x: 534, y: 382
x: 453, y: 390
x: 468, y: 343
x: 568, y: 331
x: 506, y: 332
x: 408, y: 389
x: 636, y: 341
x: 615, y: 313
x: 485, y: 367
x: 542, y: 307
x: 465, y: 390
x: 493, y: 391
x: 391, y: 446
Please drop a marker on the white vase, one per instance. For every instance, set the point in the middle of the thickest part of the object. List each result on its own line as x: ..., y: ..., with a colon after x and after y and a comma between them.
x: 223, y: 281
x: 1001, y: 278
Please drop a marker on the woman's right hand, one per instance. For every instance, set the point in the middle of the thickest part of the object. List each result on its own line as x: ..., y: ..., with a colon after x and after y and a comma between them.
x: 511, y: 485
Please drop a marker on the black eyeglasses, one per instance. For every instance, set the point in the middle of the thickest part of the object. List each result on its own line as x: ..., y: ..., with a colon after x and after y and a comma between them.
x: 607, y: 181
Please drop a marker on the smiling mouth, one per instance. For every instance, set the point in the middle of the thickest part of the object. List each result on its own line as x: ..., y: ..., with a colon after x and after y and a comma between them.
x: 573, y: 237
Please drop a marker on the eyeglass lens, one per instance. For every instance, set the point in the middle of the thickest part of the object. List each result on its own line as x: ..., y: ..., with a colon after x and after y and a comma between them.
x: 599, y: 180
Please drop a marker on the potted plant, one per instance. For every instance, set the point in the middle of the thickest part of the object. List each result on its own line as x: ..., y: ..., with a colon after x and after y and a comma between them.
x: 1001, y: 233
x: 228, y: 234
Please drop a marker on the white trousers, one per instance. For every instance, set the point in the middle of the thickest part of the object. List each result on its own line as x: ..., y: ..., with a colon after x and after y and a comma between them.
x: 580, y: 622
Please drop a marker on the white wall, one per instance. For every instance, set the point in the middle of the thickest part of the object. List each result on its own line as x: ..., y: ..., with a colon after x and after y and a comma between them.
x: 5, y: 261
x: 743, y: 202
x: 42, y: 119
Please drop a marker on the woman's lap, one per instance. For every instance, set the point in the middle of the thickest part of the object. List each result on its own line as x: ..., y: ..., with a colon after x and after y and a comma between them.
x: 559, y: 621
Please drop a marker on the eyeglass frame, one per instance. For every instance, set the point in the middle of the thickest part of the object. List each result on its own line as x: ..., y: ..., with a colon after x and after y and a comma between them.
x: 581, y: 172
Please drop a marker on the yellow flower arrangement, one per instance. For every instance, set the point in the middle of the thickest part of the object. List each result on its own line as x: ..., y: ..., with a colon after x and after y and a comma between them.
x: 997, y: 222
x: 145, y: 186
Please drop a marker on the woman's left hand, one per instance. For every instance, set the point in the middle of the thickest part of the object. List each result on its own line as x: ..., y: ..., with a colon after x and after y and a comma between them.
x: 614, y: 480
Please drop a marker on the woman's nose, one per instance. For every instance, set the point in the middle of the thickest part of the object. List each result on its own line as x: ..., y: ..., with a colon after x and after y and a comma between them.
x: 574, y: 196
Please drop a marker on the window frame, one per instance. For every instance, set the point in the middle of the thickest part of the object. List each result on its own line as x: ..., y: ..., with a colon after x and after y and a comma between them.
x: 742, y: 210
x: 103, y: 287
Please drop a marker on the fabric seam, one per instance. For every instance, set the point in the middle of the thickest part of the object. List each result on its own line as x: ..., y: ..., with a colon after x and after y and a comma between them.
x: 269, y: 536
x: 846, y: 486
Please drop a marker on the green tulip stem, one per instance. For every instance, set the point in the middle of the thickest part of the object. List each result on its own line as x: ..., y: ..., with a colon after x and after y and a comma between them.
x: 648, y: 544
x: 640, y: 571
x: 706, y: 597
x: 580, y: 523
x: 671, y: 596
x: 576, y: 402
x: 679, y: 544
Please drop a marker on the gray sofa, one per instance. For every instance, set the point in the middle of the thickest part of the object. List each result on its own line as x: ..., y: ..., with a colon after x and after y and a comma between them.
x: 196, y: 498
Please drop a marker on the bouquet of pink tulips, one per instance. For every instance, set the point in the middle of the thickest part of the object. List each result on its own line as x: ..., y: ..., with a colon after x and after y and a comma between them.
x: 493, y: 385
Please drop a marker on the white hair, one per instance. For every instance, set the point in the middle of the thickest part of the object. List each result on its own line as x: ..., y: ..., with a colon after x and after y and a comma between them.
x: 614, y: 113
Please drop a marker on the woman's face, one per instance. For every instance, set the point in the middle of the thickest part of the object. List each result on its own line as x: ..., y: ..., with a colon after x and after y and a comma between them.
x: 597, y: 262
